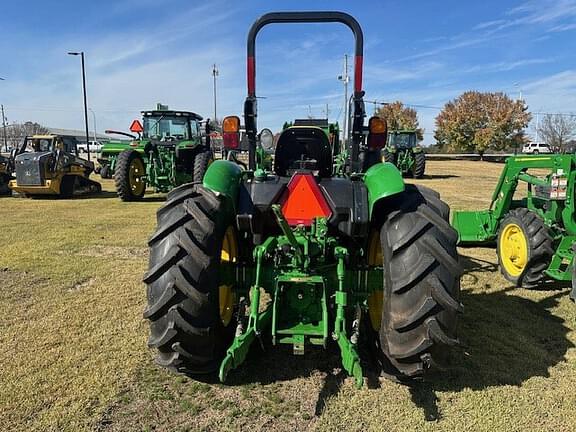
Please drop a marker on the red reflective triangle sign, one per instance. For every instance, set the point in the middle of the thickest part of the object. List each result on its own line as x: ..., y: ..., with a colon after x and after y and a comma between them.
x: 303, y: 201
x: 136, y: 127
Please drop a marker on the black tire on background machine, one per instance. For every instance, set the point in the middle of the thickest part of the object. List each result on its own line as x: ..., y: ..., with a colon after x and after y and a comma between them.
x: 182, y: 282
x: 105, y: 172
x: 419, y: 164
x: 122, y: 176
x: 388, y: 156
x: 419, y: 313
x: 201, y: 162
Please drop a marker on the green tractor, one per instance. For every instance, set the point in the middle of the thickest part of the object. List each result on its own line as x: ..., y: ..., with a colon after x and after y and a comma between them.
x: 170, y: 151
x: 534, y: 234
x: 404, y: 151
x: 319, y: 250
x: 108, y: 156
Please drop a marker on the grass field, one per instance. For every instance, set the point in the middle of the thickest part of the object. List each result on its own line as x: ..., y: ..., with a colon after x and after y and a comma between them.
x: 73, y: 342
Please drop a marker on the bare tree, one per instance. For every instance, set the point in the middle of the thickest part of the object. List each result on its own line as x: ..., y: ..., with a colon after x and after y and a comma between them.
x: 16, y: 132
x: 557, y: 129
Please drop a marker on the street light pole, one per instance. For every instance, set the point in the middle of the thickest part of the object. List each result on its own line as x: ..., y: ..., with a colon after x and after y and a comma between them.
x: 93, y: 123
x: 4, y: 129
x: 214, y: 74
x: 4, y: 125
x: 81, y: 54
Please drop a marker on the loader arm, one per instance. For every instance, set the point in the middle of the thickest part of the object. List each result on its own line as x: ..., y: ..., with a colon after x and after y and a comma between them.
x: 482, y: 225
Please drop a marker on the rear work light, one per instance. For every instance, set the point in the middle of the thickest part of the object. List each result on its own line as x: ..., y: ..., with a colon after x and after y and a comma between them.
x: 303, y: 201
x: 231, y: 132
x: 377, y: 133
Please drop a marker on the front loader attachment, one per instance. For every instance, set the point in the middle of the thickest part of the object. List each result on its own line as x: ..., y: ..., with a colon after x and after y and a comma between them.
x: 475, y: 226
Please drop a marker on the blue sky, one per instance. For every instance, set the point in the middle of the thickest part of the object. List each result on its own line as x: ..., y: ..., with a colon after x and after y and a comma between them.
x: 140, y: 52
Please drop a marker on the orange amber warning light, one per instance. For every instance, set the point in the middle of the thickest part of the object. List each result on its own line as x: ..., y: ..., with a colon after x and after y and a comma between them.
x: 304, y: 201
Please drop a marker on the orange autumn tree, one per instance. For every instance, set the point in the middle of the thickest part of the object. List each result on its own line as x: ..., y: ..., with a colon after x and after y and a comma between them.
x: 476, y: 122
x: 400, y: 117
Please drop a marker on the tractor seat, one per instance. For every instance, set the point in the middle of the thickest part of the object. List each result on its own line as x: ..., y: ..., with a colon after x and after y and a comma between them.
x: 303, y: 148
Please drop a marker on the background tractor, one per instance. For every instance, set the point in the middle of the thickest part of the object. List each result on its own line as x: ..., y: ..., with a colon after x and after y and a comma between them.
x: 169, y: 151
x: 404, y: 151
x: 535, y: 231
x: 329, y: 246
x: 49, y: 165
x: 110, y: 150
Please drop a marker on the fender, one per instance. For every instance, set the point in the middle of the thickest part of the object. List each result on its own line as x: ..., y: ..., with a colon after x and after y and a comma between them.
x: 224, y: 177
x: 382, y: 180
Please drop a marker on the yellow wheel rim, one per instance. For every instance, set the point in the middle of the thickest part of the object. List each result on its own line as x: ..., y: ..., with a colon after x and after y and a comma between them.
x: 375, y: 299
x: 135, y: 176
x: 229, y: 254
x: 513, y: 249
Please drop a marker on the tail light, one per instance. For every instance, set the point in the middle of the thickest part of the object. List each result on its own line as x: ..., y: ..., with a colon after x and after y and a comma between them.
x: 231, y: 132
x: 303, y: 201
x: 377, y: 133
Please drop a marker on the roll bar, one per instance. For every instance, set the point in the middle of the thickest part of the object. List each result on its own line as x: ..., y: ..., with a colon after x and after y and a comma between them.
x: 250, y: 105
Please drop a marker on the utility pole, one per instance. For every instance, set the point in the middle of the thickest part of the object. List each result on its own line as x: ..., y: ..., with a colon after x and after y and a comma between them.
x: 4, y: 129
x: 345, y: 78
x: 214, y: 75
x: 327, y: 111
x: 81, y: 54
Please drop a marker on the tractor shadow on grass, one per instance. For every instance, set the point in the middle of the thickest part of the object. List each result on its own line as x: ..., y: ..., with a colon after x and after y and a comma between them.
x: 279, y: 364
x: 439, y: 176
x: 505, y: 340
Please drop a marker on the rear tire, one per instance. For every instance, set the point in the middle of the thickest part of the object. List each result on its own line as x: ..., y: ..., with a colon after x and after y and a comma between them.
x: 183, y: 281
x: 129, y: 176
x: 201, y: 163
x: 389, y: 156
x: 105, y: 172
x: 522, y: 230
x: 421, y: 284
x: 419, y: 164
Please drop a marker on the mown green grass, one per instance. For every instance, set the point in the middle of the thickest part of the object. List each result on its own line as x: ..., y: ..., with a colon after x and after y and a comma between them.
x: 74, y: 353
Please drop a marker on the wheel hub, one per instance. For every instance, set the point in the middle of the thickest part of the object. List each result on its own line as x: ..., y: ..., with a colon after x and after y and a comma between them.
x: 513, y: 249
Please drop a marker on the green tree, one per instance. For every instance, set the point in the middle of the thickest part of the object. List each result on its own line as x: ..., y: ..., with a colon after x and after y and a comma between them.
x: 400, y: 117
x: 477, y: 122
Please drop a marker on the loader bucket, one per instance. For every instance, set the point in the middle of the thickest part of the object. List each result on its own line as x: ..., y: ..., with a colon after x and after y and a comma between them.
x: 474, y: 226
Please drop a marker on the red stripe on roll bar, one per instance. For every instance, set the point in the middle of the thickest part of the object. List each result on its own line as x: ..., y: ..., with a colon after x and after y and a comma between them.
x: 358, y: 74
x: 251, y: 69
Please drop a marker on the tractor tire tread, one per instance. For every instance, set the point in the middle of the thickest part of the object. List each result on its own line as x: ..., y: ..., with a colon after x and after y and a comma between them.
x: 182, y: 291
x: 421, y: 284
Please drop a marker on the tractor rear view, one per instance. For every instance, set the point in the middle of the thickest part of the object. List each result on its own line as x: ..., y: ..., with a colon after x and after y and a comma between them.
x: 404, y: 151
x: 535, y: 231
x: 328, y: 246
x: 169, y: 152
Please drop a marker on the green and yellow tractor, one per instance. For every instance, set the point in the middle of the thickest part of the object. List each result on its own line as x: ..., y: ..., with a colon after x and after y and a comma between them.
x: 404, y: 151
x: 534, y: 228
x: 50, y: 165
x: 108, y: 156
x: 329, y: 246
x: 170, y: 150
